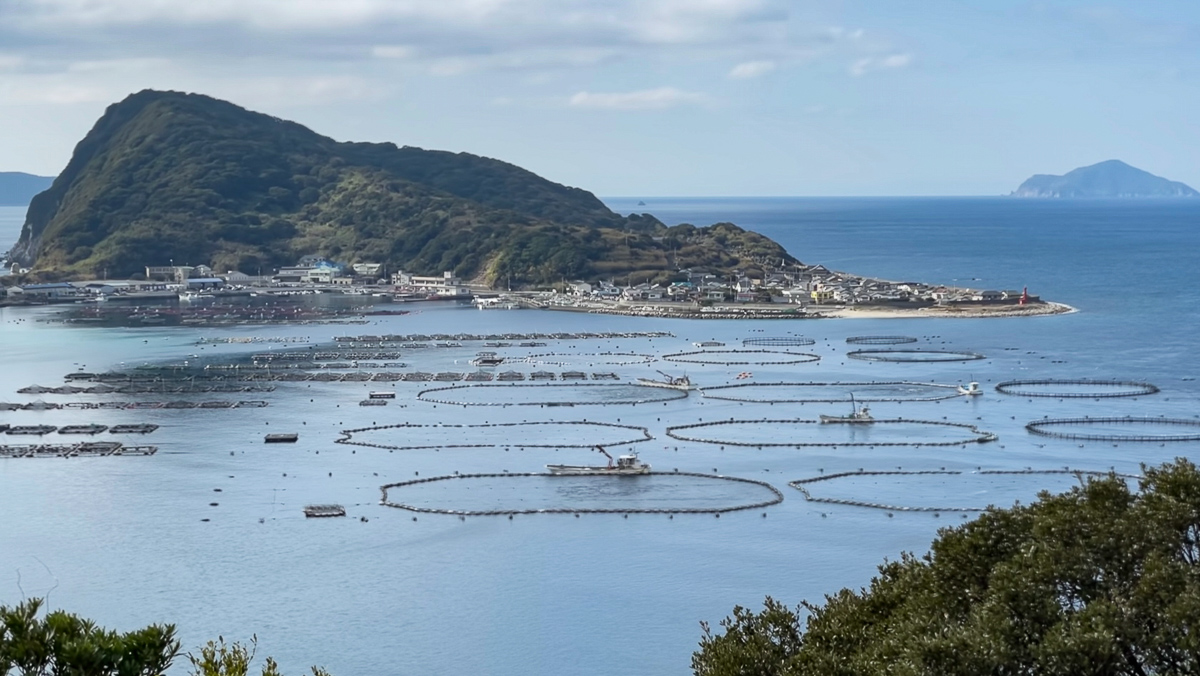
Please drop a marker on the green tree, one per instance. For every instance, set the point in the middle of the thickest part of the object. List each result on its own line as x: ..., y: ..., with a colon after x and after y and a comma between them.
x: 1100, y: 580
x: 62, y: 644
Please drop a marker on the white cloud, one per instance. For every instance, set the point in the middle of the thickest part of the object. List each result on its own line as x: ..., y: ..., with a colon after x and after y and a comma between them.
x: 646, y: 99
x: 872, y: 63
x: 751, y: 69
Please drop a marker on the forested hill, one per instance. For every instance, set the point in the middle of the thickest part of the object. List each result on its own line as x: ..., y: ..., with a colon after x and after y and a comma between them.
x: 169, y: 176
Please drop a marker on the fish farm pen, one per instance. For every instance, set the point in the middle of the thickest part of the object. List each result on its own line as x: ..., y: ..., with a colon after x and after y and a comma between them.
x: 780, y: 341
x: 91, y: 449
x: 803, y: 485
x: 442, y: 436
x: 880, y: 340
x: 853, y: 392
x: 1045, y: 428
x: 472, y: 337
x: 775, y: 496
x: 738, y: 358
x: 508, y: 394
x: 978, y: 436
x: 1076, y: 389
x: 134, y: 405
x: 914, y: 356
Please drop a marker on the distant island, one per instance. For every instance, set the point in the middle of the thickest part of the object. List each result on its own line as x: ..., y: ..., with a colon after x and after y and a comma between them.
x: 1109, y: 179
x: 18, y: 188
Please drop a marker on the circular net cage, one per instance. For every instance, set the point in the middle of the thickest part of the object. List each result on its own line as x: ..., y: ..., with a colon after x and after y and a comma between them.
x: 778, y: 341
x: 568, y: 434
x: 831, y: 392
x: 549, y: 394
x: 1129, y: 429
x: 880, y: 340
x: 914, y: 356
x: 742, y: 357
x: 511, y: 494
x: 797, y: 433
x: 955, y: 490
x: 1076, y: 389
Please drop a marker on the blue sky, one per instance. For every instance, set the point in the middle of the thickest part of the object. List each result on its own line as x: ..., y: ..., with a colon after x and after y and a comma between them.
x: 647, y: 97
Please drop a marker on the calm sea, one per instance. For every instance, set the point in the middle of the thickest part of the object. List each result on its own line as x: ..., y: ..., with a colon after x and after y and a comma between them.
x: 130, y: 541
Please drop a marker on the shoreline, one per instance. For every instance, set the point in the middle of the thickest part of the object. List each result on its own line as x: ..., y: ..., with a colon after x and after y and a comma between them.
x: 674, y: 311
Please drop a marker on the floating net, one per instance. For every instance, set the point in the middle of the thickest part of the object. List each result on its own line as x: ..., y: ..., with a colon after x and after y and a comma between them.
x: 574, y: 434
x: 593, y: 359
x: 549, y: 394
x: 809, y: 433
x: 956, y: 491
x: 529, y: 493
x: 914, y: 355
x: 779, y: 341
x: 880, y: 340
x: 1076, y: 389
x: 866, y: 392
x: 1118, y: 429
x: 742, y: 357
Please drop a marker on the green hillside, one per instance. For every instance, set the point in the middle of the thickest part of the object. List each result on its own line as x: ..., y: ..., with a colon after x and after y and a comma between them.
x: 169, y: 176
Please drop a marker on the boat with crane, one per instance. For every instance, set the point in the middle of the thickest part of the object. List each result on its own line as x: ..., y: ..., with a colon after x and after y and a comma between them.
x: 858, y: 415
x: 624, y: 465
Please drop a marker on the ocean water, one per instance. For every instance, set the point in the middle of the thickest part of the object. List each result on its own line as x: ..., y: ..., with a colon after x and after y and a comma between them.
x: 133, y: 540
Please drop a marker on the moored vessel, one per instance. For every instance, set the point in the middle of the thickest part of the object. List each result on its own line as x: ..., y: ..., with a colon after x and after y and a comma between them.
x: 624, y: 465
x: 668, y: 381
x: 857, y: 415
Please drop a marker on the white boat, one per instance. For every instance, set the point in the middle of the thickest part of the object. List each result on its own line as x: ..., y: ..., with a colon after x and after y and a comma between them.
x: 194, y: 296
x: 858, y: 415
x: 670, y: 382
x: 624, y: 465
x: 970, y: 389
x: 495, y: 304
x: 487, y: 359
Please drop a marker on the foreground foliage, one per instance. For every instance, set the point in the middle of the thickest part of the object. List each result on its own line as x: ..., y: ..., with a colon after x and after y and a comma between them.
x: 62, y: 644
x: 1099, y: 580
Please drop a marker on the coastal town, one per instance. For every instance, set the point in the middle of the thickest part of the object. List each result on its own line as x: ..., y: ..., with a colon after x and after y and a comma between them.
x: 799, y: 290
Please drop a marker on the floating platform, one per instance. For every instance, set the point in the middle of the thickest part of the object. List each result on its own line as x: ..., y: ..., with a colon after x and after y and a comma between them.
x: 31, y: 429
x: 373, y: 402
x: 324, y: 511
x: 142, y: 428
x: 82, y: 429
x: 281, y: 438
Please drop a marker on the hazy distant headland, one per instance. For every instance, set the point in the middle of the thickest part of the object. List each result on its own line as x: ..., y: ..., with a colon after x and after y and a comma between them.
x: 17, y: 188
x: 1111, y: 178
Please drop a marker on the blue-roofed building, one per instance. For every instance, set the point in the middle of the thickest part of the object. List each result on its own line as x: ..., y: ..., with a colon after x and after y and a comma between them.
x: 205, y: 283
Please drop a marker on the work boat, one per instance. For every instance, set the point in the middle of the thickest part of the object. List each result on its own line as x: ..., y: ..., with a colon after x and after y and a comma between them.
x: 624, y: 465
x: 970, y: 389
x: 668, y: 381
x: 857, y: 415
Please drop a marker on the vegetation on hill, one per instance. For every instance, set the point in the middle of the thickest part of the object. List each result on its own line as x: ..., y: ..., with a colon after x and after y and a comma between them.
x: 1099, y: 580
x: 168, y: 176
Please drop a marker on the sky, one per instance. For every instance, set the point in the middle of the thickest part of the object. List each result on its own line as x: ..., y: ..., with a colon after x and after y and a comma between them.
x: 647, y: 97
